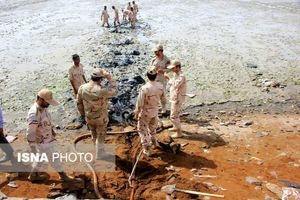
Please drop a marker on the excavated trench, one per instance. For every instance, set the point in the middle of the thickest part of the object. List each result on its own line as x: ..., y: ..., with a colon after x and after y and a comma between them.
x: 149, y: 177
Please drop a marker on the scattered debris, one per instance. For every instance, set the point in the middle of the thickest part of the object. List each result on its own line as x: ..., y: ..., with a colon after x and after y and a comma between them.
x: 248, y: 123
x: 10, y: 138
x: 2, y: 196
x: 190, y: 95
x: 250, y: 65
x: 184, y: 144
x: 275, y: 189
x: 205, y: 176
x: 171, y: 178
x: 290, y: 184
x: 74, y: 126
x: 12, y: 184
x: 267, y: 197
x: 193, y: 170
x: 67, y: 197
x: 290, y: 193
x: 253, y: 181
x: 171, y: 168
x: 171, y: 188
x: 274, y: 174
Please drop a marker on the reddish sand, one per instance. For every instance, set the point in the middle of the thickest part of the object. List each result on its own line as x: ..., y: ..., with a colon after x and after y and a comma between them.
x: 231, y: 153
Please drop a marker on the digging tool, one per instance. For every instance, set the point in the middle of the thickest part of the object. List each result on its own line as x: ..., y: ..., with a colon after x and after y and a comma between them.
x: 171, y: 188
x: 134, y: 167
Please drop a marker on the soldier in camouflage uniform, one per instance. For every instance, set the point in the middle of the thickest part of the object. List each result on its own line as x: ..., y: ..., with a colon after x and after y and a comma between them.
x: 146, y: 111
x: 92, y: 104
x: 161, y: 62
x: 177, y: 95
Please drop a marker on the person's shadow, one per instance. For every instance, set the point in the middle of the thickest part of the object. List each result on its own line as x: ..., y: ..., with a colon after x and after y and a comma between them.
x: 184, y: 160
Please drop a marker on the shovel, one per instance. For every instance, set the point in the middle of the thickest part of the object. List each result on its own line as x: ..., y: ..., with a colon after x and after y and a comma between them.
x: 171, y: 188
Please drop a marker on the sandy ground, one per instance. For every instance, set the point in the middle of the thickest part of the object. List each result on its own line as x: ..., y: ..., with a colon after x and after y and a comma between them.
x: 214, y: 40
x: 230, y: 153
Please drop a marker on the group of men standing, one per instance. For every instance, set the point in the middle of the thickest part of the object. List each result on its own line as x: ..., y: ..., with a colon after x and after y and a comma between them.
x: 92, y: 98
x: 129, y: 13
x: 92, y: 102
x: 153, y: 93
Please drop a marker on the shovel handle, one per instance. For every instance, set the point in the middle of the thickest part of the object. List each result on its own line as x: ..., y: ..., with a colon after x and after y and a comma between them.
x: 199, y: 193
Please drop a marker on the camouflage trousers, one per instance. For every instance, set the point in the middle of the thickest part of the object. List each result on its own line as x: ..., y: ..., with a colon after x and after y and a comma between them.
x: 174, y: 115
x: 147, y: 129
x: 98, y: 129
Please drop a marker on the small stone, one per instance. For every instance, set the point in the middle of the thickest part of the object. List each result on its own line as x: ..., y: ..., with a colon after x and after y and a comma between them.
x: 259, y: 135
x: 173, y: 195
x: 171, y: 168
x: 274, y: 174
x: 282, y: 154
x: 222, y: 112
x: 275, y: 189
x: 185, y: 114
x: 260, y: 162
x: 265, y: 133
x: 171, y: 179
x: 168, y: 197
x: 204, y: 169
x: 223, y: 189
x: 184, y: 144
x: 250, y: 65
x: 208, y: 184
x: 248, y: 123
x: 214, y: 188
x: 75, y: 125
x: 258, y: 188
x: 177, y: 170
x: 2, y: 195
x: 117, y: 53
x: 253, y: 181
x: 55, y: 194
x: 67, y: 197
x: 289, y: 131
x: 193, y: 170
x: 267, y: 197
x: 135, y: 52
x: 12, y: 184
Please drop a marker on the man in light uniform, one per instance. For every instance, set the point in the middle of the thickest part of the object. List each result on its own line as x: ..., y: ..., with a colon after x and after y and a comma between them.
x: 41, y: 135
x: 76, y: 75
x: 129, y: 6
x: 104, y: 17
x: 92, y: 104
x: 161, y: 62
x: 146, y: 111
x: 177, y: 95
x: 135, y: 7
x: 116, y: 20
x: 132, y: 17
